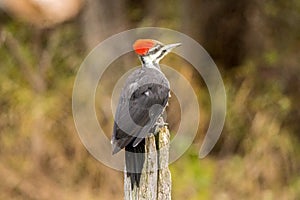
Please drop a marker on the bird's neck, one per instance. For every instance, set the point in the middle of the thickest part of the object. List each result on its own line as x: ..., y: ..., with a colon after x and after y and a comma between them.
x: 148, y: 63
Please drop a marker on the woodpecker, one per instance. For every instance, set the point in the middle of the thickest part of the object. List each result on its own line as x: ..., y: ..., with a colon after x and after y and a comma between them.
x: 142, y: 102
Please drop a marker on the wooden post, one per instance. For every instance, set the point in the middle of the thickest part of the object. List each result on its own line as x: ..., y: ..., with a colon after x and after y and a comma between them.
x: 156, y: 177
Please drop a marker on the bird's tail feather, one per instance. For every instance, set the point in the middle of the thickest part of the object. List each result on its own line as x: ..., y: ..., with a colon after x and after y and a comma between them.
x: 134, y: 159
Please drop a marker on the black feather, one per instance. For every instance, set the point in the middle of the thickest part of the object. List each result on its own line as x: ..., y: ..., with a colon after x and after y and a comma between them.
x: 135, y: 158
x: 142, y: 101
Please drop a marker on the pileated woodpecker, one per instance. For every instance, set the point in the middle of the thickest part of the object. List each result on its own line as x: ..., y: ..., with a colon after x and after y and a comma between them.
x: 142, y: 102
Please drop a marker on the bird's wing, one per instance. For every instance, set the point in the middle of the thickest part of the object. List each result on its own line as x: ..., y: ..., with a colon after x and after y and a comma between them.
x: 138, y: 113
x: 148, y: 104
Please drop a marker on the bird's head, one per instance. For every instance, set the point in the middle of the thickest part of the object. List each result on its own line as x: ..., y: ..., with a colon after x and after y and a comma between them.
x: 152, y: 51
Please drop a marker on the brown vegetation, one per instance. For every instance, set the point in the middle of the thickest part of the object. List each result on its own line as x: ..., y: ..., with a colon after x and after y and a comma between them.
x: 256, y: 47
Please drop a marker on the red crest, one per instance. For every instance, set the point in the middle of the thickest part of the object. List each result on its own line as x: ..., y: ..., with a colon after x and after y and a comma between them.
x: 142, y: 46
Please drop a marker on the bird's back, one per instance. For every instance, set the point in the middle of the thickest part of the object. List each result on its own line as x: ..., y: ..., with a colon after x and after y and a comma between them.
x: 136, y: 113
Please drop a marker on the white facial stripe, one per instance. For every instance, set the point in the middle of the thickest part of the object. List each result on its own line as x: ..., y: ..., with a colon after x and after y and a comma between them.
x: 158, y: 55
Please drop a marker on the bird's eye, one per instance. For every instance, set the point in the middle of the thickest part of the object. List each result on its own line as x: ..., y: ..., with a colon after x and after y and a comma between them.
x: 154, y: 50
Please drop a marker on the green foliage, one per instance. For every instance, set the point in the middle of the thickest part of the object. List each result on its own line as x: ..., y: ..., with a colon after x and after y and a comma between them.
x: 192, y: 178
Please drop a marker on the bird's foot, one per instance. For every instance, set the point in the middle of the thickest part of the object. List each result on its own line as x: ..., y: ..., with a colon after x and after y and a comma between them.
x: 160, y: 124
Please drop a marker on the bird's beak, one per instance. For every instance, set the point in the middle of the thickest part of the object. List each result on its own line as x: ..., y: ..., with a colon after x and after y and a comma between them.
x: 169, y: 47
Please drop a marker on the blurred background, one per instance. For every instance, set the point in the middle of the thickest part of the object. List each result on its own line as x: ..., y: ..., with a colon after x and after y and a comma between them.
x: 254, y: 43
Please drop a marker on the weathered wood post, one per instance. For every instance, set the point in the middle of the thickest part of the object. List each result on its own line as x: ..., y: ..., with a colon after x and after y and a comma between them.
x: 156, y: 177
